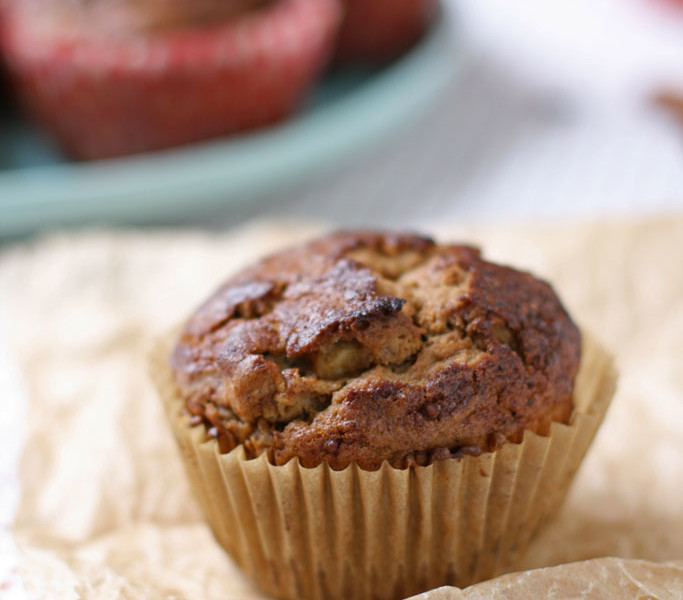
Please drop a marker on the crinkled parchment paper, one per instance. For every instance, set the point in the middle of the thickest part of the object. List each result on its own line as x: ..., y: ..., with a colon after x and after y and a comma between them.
x: 105, y: 511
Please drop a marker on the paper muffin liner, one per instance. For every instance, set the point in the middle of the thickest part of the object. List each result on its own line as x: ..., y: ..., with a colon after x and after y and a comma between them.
x: 316, y: 533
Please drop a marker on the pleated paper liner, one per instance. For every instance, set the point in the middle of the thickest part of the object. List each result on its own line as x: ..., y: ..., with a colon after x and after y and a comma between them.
x: 323, y: 534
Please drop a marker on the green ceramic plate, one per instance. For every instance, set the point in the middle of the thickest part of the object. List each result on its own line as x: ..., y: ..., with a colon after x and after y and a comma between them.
x: 349, y: 111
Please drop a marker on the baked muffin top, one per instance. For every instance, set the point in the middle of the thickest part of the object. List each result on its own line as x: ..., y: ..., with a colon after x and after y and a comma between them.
x: 365, y: 347
x: 124, y: 17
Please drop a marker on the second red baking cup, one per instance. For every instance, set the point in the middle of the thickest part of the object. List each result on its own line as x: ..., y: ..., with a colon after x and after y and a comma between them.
x: 378, y: 31
x: 106, y: 96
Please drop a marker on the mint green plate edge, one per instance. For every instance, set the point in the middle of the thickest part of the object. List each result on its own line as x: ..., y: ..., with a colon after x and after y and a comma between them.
x: 204, y: 177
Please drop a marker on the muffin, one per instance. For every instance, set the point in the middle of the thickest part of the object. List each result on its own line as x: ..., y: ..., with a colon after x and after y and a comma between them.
x: 376, y: 414
x: 113, y: 78
x: 379, y: 31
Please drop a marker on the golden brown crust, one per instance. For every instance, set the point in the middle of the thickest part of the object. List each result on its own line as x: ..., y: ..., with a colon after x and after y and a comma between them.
x: 364, y: 347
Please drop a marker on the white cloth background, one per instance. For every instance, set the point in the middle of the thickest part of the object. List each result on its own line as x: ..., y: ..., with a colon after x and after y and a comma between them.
x: 550, y: 117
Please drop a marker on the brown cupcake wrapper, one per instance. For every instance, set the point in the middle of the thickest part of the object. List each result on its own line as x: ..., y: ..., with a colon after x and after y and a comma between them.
x: 387, y: 534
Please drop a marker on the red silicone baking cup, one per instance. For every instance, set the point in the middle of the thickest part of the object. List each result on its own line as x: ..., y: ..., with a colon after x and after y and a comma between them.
x: 104, y: 96
x: 379, y: 31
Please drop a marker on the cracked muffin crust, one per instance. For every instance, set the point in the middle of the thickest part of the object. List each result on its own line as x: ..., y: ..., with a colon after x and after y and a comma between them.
x: 365, y: 347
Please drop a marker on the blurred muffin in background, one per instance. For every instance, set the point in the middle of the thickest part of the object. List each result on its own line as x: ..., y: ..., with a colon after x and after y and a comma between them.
x: 131, y: 16
x: 378, y: 31
x: 110, y: 78
x: 4, y: 85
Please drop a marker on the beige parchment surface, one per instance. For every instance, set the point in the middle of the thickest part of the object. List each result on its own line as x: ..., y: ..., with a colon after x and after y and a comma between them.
x: 105, y: 509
